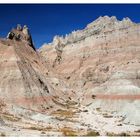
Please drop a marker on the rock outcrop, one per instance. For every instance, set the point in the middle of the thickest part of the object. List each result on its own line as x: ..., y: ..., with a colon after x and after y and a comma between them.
x: 101, y: 65
x: 21, y: 34
x: 23, y: 75
x: 27, y: 81
x: 84, y: 84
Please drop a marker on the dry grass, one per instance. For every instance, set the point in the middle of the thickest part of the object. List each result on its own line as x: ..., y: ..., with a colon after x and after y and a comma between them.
x: 107, y: 115
x: 67, y: 131
x: 71, y: 103
x: 119, y: 134
x: 137, y: 131
x: 98, y: 109
x: 2, y: 134
x: 43, y: 132
x: 119, y: 124
x: 92, y: 133
x: 10, y: 117
x: 39, y: 128
x: 36, y: 128
x: 64, y: 113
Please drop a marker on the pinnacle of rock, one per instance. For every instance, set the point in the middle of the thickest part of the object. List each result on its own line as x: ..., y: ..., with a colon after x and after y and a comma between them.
x: 19, y: 28
x: 21, y: 34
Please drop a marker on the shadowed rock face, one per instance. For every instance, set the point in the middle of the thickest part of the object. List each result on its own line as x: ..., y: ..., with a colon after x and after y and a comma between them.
x: 103, y: 61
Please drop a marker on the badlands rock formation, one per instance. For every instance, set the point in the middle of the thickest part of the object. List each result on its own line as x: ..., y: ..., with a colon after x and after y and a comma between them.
x: 84, y: 84
x: 22, y: 72
x: 29, y: 93
x: 23, y: 75
x: 101, y: 65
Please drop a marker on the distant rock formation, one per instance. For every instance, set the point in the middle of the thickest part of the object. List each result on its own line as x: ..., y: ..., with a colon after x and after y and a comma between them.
x: 97, y: 27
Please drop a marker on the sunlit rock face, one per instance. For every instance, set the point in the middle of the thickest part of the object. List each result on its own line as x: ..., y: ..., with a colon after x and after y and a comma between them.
x: 100, y: 64
x: 23, y: 81
x: 86, y: 83
x: 21, y: 34
x: 26, y: 80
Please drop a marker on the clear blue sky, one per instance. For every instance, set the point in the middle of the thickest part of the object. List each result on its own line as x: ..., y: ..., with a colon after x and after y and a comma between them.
x: 47, y: 20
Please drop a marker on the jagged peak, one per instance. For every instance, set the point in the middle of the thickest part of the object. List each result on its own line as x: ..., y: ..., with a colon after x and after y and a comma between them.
x: 96, y: 27
x: 21, y: 34
x: 106, y: 19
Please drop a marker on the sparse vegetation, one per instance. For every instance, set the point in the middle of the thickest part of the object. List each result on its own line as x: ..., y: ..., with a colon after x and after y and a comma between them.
x: 98, y: 109
x: 64, y: 113
x: 119, y: 124
x: 39, y: 128
x: 35, y: 128
x: 68, y: 132
x: 48, y: 128
x: 2, y: 134
x: 71, y: 103
x: 119, y: 134
x: 43, y: 132
x: 10, y: 117
x: 93, y: 96
x: 93, y: 133
x: 138, y: 131
x: 85, y: 110
x: 110, y: 134
x: 107, y: 115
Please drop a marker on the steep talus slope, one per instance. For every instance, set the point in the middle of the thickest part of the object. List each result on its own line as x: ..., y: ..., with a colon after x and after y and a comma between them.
x: 101, y: 65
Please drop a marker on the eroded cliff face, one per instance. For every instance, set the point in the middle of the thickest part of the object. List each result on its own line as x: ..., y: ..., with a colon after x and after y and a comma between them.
x: 101, y: 65
x: 24, y: 79
x: 84, y: 84
x: 20, y: 69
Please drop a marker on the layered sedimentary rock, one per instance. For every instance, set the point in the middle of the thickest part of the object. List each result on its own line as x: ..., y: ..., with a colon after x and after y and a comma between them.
x: 23, y: 81
x: 86, y: 83
x: 100, y: 64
